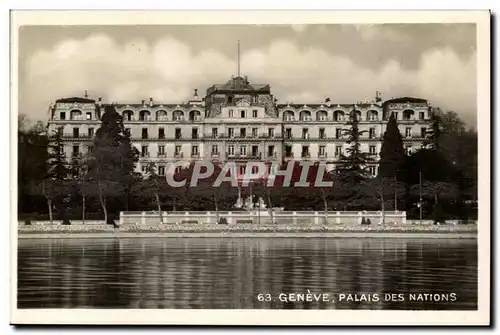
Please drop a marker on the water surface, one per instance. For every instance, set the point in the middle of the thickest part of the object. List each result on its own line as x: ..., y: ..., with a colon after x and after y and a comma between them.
x: 225, y: 273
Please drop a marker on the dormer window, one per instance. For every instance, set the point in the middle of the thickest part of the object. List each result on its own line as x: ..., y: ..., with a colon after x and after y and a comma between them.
x: 230, y: 99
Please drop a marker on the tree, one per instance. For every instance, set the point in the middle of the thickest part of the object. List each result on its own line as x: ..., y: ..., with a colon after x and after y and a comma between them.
x: 112, y: 163
x: 79, y: 174
x: 381, y: 188
x: 392, y: 154
x: 54, y: 185
x: 353, y: 166
x: 155, y: 185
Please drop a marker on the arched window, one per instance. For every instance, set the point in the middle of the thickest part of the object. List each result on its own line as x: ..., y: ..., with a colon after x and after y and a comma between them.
x: 288, y: 115
x: 161, y: 115
x: 408, y: 114
x: 144, y: 115
x: 321, y: 116
x: 338, y: 115
x: 76, y: 114
x: 372, y: 115
x: 178, y: 115
x: 305, y: 116
x: 128, y: 115
x: 194, y: 115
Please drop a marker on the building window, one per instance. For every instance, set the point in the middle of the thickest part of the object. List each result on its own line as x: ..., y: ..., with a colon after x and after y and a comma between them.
x: 395, y: 115
x: 338, y: 151
x: 372, y: 150
x: 128, y: 131
x: 230, y: 132
x: 270, y: 151
x: 76, y: 151
x: 194, y: 150
x: 255, y: 113
x: 62, y: 116
x: 215, y: 149
x: 371, y: 133
x: 242, y: 113
x: 178, y: 150
x: 338, y: 133
x: 161, y: 170
x: 231, y: 114
x: 408, y: 150
x: 322, y: 150
x: 144, y: 168
x: 161, y: 150
x: 144, y: 151
x: 243, y: 132
x: 255, y: 151
x: 243, y: 150
x: 288, y: 133
x: 305, y: 133
x: 144, y: 133
x: 194, y: 133
x: 230, y: 99
x: 372, y: 170
x: 178, y: 133
x: 423, y: 132
x: 76, y: 132
x: 408, y: 131
x: 288, y: 151
x: 178, y: 169
x: 254, y: 132
x: 242, y: 169
x: 215, y: 132
x: 322, y: 133
x: 161, y: 133
x: 88, y: 115
x: 270, y: 132
x: 91, y: 132
x: 91, y: 148
x: 230, y: 150
x: 305, y: 151
x: 255, y: 169
x: 421, y: 115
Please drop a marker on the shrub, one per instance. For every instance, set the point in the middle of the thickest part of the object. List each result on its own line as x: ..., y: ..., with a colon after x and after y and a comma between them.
x: 27, y: 222
x: 368, y: 221
x: 363, y: 221
x: 222, y: 221
x: 66, y: 222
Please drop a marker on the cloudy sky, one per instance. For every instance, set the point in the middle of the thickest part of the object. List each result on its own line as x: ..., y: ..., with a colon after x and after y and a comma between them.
x: 302, y: 63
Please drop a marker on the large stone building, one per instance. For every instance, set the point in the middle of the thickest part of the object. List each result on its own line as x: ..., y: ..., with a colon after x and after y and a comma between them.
x: 240, y: 121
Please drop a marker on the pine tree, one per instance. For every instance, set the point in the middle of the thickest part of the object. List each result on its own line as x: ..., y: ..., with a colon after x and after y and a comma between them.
x: 353, y: 165
x: 392, y: 153
x: 113, y: 159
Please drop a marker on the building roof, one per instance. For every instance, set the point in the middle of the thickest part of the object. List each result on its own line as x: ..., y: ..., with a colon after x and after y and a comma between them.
x: 324, y: 105
x: 156, y: 105
x: 76, y: 99
x: 239, y: 84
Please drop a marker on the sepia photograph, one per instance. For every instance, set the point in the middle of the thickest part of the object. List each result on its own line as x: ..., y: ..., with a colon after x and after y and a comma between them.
x: 236, y: 168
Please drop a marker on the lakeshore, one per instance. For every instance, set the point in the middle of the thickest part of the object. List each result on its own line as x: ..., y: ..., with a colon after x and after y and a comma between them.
x: 36, y: 231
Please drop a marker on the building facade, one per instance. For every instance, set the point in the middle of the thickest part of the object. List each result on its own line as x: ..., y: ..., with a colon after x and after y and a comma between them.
x: 239, y: 121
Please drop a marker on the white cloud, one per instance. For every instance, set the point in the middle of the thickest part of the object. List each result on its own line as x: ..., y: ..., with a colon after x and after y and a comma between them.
x: 169, y: 71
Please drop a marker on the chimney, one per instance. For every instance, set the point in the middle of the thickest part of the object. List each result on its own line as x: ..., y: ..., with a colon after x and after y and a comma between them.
x: 99, y: 101
x: 85, y: 95
x: 151, y: 102
x: 195, y: 95
x: 143, y: 102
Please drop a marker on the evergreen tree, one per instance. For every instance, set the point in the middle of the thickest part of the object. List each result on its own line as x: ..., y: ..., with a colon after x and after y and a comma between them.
x: 113, y: 159
x: 54, y: 185
x: 392, y: 154
x: 353, y: 165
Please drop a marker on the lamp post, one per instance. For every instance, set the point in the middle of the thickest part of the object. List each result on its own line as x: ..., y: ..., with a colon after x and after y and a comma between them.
x: 420, y: 194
